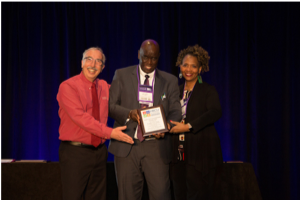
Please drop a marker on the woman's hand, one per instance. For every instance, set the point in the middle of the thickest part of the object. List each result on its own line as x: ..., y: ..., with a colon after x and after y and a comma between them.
x: 179, y: 127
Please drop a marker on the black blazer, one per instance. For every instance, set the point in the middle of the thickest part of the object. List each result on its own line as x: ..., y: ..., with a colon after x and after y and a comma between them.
x: 202, y: 145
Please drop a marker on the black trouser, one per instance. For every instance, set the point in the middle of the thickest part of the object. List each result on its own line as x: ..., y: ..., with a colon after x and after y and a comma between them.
x: 189, y: 183
x: 83, y: 172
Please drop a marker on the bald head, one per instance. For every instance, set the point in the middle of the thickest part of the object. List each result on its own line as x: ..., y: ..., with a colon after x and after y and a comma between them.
x: 148, y: 55
x: 150, y: 42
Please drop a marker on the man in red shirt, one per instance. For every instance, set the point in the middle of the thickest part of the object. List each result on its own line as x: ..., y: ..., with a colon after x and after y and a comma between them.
x: 83, y: 110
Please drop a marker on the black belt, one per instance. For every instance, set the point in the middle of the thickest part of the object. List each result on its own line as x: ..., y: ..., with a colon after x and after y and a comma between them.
x: 147, y: 139
x: 79, y: 144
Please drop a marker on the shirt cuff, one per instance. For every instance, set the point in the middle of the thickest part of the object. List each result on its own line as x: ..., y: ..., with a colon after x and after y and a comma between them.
x: 106, y: 133
x: 190, y: 126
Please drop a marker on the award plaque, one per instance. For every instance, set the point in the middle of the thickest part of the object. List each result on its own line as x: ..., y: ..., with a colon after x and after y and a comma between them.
x: 153, y: 120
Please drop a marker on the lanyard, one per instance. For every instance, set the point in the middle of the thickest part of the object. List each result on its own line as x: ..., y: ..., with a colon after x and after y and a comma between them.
x: 185, y: 102
x: 143, y: 90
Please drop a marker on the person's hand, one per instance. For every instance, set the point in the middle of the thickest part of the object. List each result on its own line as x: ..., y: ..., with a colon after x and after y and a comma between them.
x: 117, y: 134
x: 179, y: 127
x: 169, y: 127
x: 159, y: 135
x: 134, y: 116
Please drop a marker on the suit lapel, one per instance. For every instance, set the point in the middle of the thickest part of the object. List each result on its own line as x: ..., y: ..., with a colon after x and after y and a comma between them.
x: 134, y: 81
x: 158, y: 88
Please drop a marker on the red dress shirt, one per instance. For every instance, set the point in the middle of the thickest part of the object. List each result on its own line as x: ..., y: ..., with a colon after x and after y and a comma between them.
x: 75, y: 110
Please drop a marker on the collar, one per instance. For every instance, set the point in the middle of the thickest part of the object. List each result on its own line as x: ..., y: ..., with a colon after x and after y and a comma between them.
x: 142, y: 73
x: 87, y: 82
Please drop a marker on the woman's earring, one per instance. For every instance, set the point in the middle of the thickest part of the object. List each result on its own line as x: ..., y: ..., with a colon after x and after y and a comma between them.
x: 180, y: 75
x: 200, y: 79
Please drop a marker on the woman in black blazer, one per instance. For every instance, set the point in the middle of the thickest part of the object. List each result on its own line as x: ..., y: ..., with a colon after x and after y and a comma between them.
x: 196, y: 144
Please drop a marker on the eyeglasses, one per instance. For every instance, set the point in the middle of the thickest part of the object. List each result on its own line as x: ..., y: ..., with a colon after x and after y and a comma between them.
x: 91, y: 60
x: 146, y: 58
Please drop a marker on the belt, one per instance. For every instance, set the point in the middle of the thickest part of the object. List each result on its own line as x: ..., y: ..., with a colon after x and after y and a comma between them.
x: 147, y: 138
x: 150, y: 138
x: 79, y: 144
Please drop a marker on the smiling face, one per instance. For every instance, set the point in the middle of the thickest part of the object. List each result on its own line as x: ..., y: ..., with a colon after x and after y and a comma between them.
x: 148, y: 56
x: 190, y: 68
x: 92, y: 64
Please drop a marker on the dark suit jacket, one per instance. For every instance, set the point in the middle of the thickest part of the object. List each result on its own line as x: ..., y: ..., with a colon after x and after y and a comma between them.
x: 202, y: 145
x: 123, y: 98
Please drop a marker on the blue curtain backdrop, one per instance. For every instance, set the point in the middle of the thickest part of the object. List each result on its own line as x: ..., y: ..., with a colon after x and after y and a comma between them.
x: 254, y: 49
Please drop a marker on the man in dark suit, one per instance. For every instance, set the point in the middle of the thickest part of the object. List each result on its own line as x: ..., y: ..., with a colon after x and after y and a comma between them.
x: 147, y: 157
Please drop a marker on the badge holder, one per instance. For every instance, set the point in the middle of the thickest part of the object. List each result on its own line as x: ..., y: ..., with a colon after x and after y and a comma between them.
x: 180, y: 152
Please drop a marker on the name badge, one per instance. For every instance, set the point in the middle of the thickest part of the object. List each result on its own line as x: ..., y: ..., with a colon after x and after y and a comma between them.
x: 145, y: 94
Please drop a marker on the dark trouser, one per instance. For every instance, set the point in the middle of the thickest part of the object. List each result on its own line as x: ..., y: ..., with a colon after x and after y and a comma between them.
x: 83, y: 172
x: 144, y: 160
x: 189, y: 184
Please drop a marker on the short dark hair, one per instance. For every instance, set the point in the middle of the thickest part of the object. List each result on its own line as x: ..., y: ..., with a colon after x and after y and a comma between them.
x: 198, y: 52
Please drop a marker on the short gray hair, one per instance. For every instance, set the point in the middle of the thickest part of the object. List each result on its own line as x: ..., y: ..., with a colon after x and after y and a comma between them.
x: 95, y: 48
